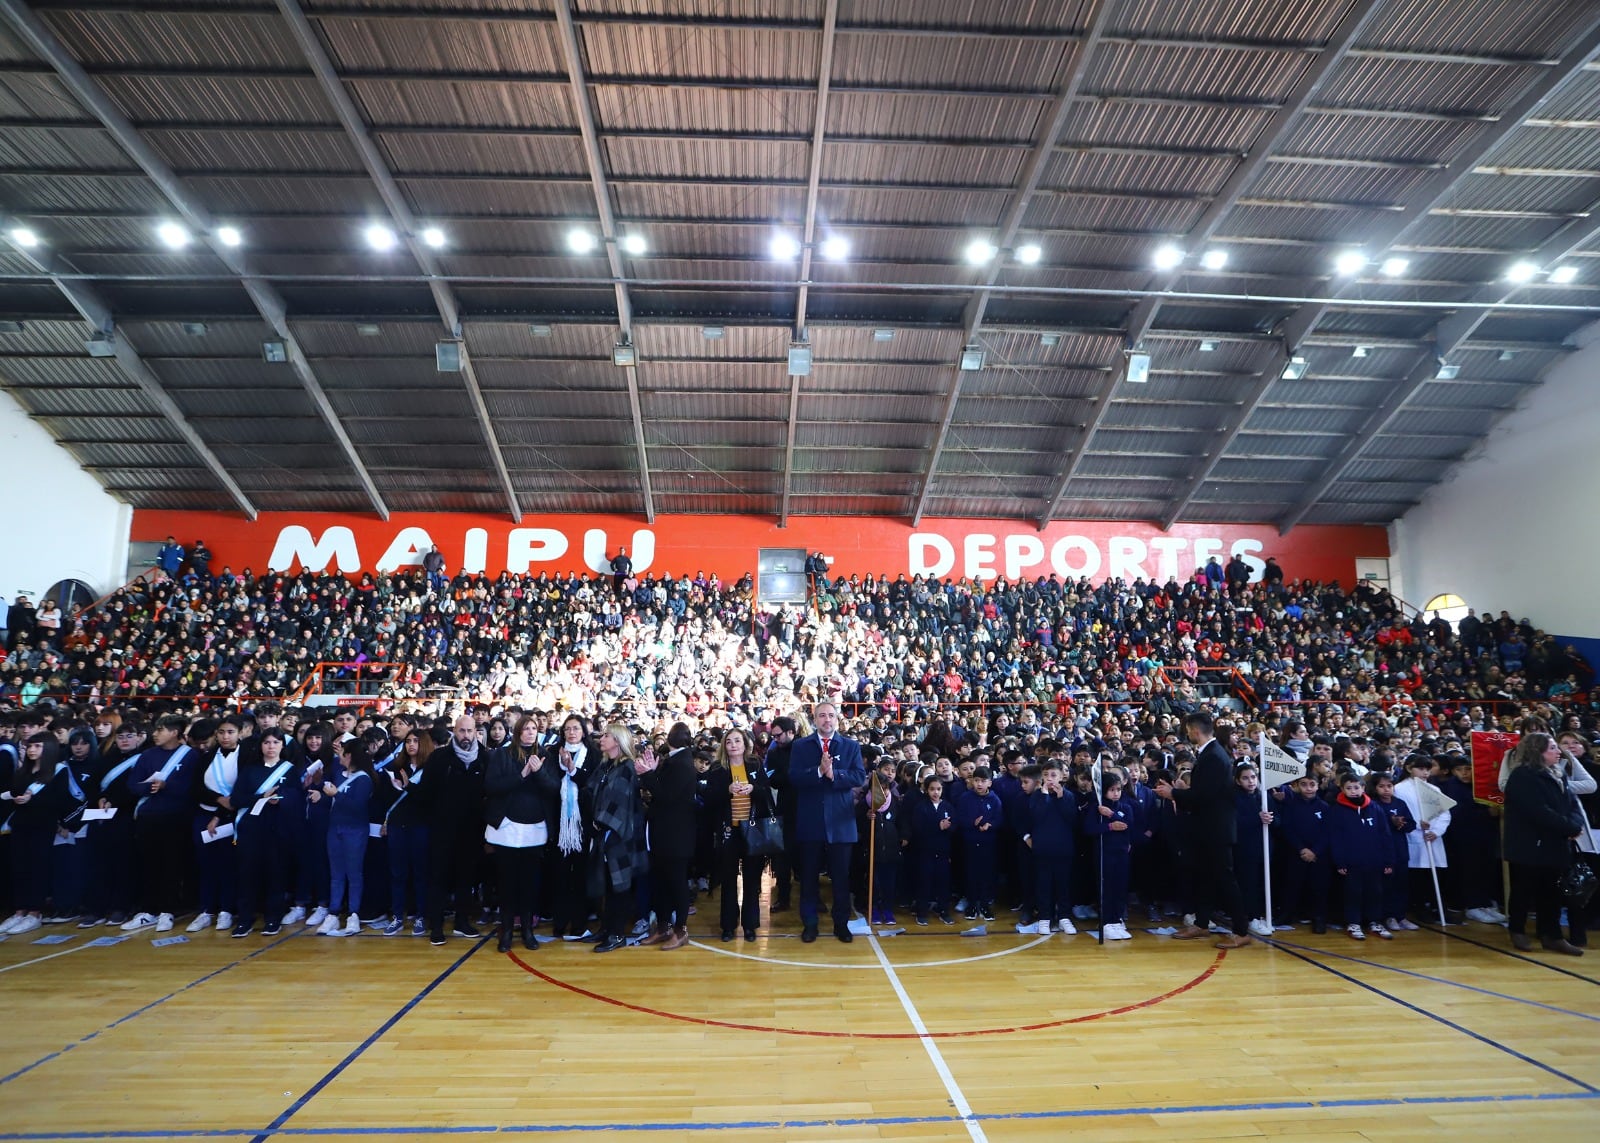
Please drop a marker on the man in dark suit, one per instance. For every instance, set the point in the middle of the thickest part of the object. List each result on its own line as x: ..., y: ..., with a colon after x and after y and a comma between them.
x: 668, y: 790
x: 825, y: 770
x: 1208, y: 807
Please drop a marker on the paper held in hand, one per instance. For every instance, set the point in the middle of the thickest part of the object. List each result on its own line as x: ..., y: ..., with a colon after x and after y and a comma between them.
x: 1278, y: 767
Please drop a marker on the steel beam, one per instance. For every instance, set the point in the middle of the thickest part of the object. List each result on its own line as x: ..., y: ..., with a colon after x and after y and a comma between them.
x: 268, y: 302
x: 1387, y: 232
x: 1032, y: 172
x: 583, y: 109
x: 405, y: 222
x: 819, y: 124
x: 97, y: 314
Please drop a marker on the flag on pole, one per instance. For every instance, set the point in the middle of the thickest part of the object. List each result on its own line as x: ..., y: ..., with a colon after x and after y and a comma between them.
x: 1489, y: 748
x: 1278, y: 767
x: 1432, y: 801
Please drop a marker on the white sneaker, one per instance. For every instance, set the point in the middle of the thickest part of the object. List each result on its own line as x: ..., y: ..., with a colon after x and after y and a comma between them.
x: 202, y: 921
x: 1068, y: 927
x: 295, y: 915
x: 1482, y: 916
x: 329, y: 927
x: 1355, y: 933
x: 11, y: 923
x: 1380, y: 932
x: 224, y: 921
x: 318, y: 915
x: 138, y: 921
x: 1117, y: 931
x: 352, y: 927
x: 164, y: 923
x: 1498, y: 918
x: 1042, y: 929
x: 1404, y: 926
x: 26, y: 925
x: 1260, y: 928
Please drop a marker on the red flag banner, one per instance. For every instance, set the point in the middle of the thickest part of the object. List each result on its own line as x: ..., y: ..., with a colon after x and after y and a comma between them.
x: 1489, y: 747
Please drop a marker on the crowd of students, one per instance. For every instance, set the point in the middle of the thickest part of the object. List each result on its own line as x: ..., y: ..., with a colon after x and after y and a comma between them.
x: 603, y: 830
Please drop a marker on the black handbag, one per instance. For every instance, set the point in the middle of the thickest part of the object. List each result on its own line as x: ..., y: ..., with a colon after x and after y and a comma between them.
x: 763, y: 836
x: 1578, y: 882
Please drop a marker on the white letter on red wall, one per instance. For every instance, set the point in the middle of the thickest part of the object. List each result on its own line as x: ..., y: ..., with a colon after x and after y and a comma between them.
x: 295, y: 545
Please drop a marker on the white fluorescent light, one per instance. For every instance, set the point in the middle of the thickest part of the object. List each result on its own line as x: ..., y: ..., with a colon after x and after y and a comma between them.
x: 173, y: 235
x: 230, y: 236
x: 1519, y: 272
x: 1394, y: 267
x: 883, y: 335
x: 434, y: 237
x: 712, y: 332
x: 1214, y: 259
x: 1447, y: 372
x: 447, y: 356
x: 379, y: 237
x: 25, y: 238
x: 1564, y: 275
x: 979, y: 251
x: 971, y: 359
x: 538, y: 329
x: 1138, y: 368
x: 1208, y: 346
x: 784, y: 247
x: 369, y: 329
x: 1349, y: 263
x: 1361, y: 351
x: 634, y: 245
x: 1030, y: 254
x: 799, y: 359
x: 1295, y: 368
x: 836, y: 248
x: 581, y: 242
x: 1167, y: 257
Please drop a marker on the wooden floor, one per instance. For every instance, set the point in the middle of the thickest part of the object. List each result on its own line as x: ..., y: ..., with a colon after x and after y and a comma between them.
x: 926, y: 1035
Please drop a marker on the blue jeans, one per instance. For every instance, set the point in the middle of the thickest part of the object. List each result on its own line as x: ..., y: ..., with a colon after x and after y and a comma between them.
x: 347, y: 851
x: 408, y: 866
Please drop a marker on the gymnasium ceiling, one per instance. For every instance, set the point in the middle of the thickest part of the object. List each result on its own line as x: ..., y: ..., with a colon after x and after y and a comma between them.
x: 1435, y: 143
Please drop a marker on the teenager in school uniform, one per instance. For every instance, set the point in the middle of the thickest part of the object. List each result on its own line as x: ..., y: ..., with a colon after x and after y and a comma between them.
x: 884, y: 802
x: 1380, y: 788
x: 1050, y: 831
x: 375, y: 880
x: 981, y: 816
x: 33, y: 807
x: 1249, y: 859
x: 405, y: 832
x: 1308, y: 874
x: 521, y: 792
x: 348, y: 792
x: 163, y: 782
x: 933, y: 826
x: 1361, y: 848
x: 317, y: 764
x: 69, y: 857
x: 217, y: 859
x: 1426, y: 842
x: 269, y: 809
x: 1110, y: 822
x: 108, y: 896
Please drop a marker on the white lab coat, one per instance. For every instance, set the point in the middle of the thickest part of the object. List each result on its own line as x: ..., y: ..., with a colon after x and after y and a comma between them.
x: 1406, y: 791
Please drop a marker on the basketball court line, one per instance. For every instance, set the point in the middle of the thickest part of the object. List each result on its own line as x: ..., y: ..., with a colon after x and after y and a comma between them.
x: 958, y: 1098
x: 1441, y: 980
x: 338, y: 1069
x: 1057, y: 1114
x: 1512, y: 953
x: 1480, y: 1037
x: 140, y: 1011
x: 868, y: 967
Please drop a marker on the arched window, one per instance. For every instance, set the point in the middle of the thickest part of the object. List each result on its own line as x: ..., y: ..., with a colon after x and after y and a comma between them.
x: 1451, y: 608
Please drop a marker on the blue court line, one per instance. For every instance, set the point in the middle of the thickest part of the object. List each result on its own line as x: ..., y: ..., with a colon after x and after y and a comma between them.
x: 1482, y: 1039
x: 1512, y: 953
x: 1441, y: 980
x: 139, y: 1011
x: 338, y: 1069
x: 802, y: 1124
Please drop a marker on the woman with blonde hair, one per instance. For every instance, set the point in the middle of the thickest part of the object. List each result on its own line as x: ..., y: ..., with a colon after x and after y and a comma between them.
x: 742, y: 790
x: 616, y: 837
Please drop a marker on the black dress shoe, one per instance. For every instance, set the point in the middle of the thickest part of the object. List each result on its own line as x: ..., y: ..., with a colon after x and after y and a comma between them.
x: 843, y: 933
x: 1319, y: 927
x: 504, y: 944
x: 1522, y: 942
x: 610, y: 944
x: 529, y: 941
x: 808, y: 934
x: 727, y: 935
x: 1563, y: 946
x: 749, y: 934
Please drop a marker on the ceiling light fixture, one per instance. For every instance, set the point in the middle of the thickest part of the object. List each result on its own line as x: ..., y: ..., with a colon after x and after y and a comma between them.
x: 538, y: 329
x: 1361, y: 351
x: 173, y: 235
x: 447, y: 355
x: 1564, y: 275
x: 634, y: 245
x: 379, y: 237
x: 1208, y: 346
x: 712, y: 332
x: 274, y: 352
x: 230, y: 236
x: 1447, y: 372
x: 24, y: 237
x: 1138, y: 368
x: 101, y: 345
x: 369, y: 329
x: 624, y: 355
x: 784, y: 247
x: 1394, y: 267
x: 1167, y: 257
x: 1350, y: 263
x: 980, y: 251
x: 971, y: 359
x: 1214, y: 259
x: 433, y: 236
x: 799, y: 359
x: 581, y: 242
x: 1295, y: 368
x: 883, y: 335
x: 836, y: 248
x: 1030, y: 253
x: 1520, y: 272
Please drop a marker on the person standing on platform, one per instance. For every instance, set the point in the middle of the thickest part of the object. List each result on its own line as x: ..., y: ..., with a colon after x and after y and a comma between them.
x: 621, y: 572
x: 1207, y: 803
x: 825, y: 770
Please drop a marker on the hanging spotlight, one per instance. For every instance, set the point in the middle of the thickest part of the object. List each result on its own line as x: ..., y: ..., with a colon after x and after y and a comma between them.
x: 971, y: 359
x: 1350, y: 263
x: 274, y: 352
x: 1395, y: 267
x: 434, y: 237
x: 25, y: 238
x: 1214, y: 259
x: 1167, y: 257
x: 836, y: 248
x: 1520, y: 272
x: 447, y: 356
x: 799, y: 359
x: 581, y: 242
x: 1030, y: 254
x: 784, y: 247
x: 1294, y: 368
x: 1564, y: 275
x: 980, y: 251
x: 173, y: 235
x: 230, y: 236
x: 379, y: 237
x: 634, y: 245
x: 1138, y: 368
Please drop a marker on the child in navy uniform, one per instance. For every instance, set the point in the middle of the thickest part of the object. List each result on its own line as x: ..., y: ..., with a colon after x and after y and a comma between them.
x: 1380, y: 788
x: 1111, y: 821
x: 933, y: 826
x: 1051, y: 835
x: 980, y: 813
x: 1361, y: 847
x: 884, y: 801
x: 1305, y: 833
x: 1249, y: 857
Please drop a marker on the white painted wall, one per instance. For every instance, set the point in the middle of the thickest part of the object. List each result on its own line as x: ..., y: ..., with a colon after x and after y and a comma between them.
x: 1512, y: 526
x: 56, y: 522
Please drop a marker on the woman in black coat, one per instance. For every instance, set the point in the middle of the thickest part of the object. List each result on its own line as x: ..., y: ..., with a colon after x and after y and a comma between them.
x: 668, y: 789
x: 520, y: 801
x: 1542, y: 818
x: 741, y: 790
x: 573, y: 760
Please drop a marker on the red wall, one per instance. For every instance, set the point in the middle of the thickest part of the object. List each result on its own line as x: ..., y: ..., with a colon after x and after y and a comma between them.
x: 727, y: 545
